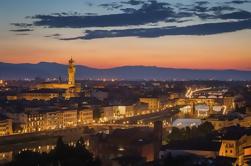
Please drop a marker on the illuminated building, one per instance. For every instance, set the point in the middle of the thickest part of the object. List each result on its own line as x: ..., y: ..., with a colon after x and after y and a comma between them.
x: 123, y: 111
x: 3, y: 83
x: 238, y: 148
x: 71, y: 89
x: 116, y: 112
x: 108, y: 114
x: 36, y: 121
x: 38, y: 95
x: 85, y: 116
x: 229, y: 148
x: 245, y: 150
x: 71, y: 72
x: 182, y: 123
x: 229, y: 102
x: 186, y: 109
x: 130, y: 111
x: 6, y: 157
x: 153, y: 103
x: 54, y: 120
x: 71, y: 80
x: 174, y: 96
x: 5, y: 126
x: 202, y: 110
x: 223, y: 122
x: 186, y: 101
x: 70, y: 118
x: 48, y: 91
x: 51, y: 118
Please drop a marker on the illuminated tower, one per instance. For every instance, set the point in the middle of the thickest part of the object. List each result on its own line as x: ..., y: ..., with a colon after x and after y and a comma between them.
x: 71, y: 72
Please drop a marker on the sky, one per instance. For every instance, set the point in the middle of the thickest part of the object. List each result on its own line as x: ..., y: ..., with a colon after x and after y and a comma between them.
x: 193, y: 34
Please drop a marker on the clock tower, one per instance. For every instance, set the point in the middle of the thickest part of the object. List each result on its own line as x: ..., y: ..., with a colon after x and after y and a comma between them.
x: 71, y: 72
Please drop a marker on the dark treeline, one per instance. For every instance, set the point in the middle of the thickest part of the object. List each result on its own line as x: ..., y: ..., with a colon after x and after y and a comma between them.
x: 189, y: 133
x: 62, y: 155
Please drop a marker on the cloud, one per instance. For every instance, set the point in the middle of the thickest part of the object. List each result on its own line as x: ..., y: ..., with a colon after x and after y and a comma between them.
x: 200, y: 29
x: 111, y: 6
x: 239, y: 15
x: 133, y: 2
x: 201, y: 3
x: 22, y: 25
x: 22, y: 34
x: 236, y: 15
x: 128, y: 10
x: 219, y: 9
x: 200, y: 9
x: 239, y: 2
x: 149, y: 13
x: 204, y: 11
x: 90, y: 4
x: 56, y: 35
x: 21, y: 30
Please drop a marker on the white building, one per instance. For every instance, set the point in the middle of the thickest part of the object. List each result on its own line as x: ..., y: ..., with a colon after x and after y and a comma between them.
x: 181, y: 123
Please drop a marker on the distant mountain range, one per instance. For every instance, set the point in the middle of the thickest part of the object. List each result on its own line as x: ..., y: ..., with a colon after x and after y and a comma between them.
x: 46, y: 69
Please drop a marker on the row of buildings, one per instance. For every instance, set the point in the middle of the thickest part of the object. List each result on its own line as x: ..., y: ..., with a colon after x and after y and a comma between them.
x: 228, y: 121
x: 40, y: 119
x: 5, y: 126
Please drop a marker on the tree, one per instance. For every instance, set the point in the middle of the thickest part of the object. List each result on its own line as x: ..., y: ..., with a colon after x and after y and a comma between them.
x: 62, y: 155
x: 176, y: 134
x: 188, y: 133
x: 205, y: 128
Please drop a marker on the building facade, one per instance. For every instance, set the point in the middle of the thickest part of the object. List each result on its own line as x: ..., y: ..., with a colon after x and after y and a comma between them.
x: 153, y: 103
x: 85, y: 116
x: 5, y: 126
x: 239, y: 149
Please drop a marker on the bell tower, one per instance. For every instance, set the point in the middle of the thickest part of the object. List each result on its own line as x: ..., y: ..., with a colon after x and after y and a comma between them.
x: 71, y: 72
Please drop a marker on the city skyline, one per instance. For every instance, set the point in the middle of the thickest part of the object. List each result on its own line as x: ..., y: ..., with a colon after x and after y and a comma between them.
x: 191, y: 34
x: 125, y: 82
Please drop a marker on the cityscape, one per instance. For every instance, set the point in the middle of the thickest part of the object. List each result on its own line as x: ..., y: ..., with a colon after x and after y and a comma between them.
x: 125, y: 83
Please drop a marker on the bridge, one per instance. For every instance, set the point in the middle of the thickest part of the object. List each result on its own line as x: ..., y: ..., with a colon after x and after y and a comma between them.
x: 190, y: 92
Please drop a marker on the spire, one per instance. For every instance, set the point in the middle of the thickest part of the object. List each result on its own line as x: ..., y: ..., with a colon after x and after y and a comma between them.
x: 71, y: 60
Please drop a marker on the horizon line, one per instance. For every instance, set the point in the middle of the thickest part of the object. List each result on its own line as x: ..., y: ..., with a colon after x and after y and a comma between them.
x: 106, y: 68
